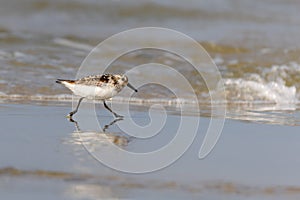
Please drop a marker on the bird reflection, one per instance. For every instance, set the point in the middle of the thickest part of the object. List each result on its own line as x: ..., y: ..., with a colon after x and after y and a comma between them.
x: 95, y: 138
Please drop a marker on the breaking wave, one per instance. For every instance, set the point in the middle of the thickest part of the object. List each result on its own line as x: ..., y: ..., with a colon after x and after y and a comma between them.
x: 277, y: 85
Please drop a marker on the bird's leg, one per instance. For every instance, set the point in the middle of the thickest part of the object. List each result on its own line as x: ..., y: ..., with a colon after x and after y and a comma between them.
x: 76, y: 109
x: 110, y: 110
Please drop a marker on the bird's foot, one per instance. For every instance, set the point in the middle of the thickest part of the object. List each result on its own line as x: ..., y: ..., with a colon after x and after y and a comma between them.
x: 69, y: 116
x: 118, y: 116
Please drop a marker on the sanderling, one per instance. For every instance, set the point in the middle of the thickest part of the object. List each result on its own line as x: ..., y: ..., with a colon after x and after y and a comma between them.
x: 99, y: 87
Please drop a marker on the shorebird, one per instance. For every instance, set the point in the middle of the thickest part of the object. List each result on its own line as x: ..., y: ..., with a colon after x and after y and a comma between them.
x: 99, y: 87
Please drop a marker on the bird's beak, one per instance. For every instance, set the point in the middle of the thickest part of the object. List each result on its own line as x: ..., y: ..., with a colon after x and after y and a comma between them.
x: 131, y: 87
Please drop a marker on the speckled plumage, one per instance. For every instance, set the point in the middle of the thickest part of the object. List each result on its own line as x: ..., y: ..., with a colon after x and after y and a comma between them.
x: 95, y: 80
x: 98, y: 80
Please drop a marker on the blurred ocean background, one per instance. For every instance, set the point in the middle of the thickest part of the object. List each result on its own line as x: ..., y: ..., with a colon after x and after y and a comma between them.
x: 255, y: 44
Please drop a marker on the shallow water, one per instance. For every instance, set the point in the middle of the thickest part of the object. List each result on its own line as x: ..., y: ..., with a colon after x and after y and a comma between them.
x: 46, y: 159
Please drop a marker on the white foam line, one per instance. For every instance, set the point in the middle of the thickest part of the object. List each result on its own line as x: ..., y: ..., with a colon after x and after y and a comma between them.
x: 135, y: 101
x: 69, y: 98
x: 72, y: 44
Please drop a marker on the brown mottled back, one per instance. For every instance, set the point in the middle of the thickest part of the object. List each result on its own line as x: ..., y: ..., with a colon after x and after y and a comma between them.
x: 97, y: 80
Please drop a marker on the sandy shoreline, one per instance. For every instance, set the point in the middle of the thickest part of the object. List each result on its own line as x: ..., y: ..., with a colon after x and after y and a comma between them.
x: 41, y: 157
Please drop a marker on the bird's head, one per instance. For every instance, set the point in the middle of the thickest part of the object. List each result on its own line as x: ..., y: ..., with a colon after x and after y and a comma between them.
x: 123, y: 80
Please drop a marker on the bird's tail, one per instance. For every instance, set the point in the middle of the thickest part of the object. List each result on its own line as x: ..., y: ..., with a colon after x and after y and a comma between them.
x: 60, y: 81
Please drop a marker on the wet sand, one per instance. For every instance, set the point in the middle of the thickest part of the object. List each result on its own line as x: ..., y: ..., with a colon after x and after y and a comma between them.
x: 41, y: 157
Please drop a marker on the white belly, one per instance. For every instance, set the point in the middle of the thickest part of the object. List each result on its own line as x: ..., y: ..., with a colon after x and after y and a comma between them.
x: 92, y: 92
